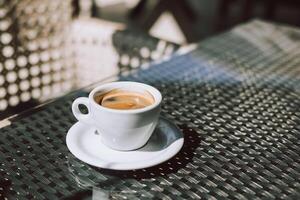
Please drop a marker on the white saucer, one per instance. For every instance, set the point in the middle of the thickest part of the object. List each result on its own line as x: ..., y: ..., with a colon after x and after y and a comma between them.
x: 84, y: 143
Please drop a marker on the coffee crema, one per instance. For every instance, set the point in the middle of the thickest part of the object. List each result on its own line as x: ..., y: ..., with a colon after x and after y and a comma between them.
x: 124, y: 99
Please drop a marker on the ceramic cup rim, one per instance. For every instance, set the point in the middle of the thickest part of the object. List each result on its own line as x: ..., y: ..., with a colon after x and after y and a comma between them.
x: 152, y: 90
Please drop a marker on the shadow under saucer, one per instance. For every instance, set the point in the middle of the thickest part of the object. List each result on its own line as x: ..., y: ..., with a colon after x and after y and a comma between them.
x: 113, y: 181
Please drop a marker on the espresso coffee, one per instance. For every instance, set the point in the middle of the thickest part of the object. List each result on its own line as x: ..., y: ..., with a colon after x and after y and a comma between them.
x: 124, y: 100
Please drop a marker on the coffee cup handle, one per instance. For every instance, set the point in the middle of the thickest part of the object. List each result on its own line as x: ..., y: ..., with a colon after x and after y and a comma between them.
x: 85, y: 118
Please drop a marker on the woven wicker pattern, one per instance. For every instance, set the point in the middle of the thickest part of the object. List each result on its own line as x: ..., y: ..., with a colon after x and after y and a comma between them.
x: 33, y: 57
x: 237, y: 102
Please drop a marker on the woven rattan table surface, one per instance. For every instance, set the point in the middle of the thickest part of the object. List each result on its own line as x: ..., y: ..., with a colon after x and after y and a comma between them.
x: 235, y: 97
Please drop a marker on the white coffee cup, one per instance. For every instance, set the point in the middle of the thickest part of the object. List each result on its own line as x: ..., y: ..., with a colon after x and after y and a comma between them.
x: 122, y: 130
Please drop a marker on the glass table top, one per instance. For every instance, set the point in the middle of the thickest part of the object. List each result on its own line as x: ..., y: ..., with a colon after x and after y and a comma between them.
x: 234, y: 96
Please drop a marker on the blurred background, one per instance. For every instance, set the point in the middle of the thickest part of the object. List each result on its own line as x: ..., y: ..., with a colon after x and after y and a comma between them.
x: 183, y: 21
x: 51, y: 47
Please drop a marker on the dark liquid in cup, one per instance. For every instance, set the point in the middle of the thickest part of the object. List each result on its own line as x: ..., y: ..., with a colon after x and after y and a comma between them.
x: 124, y: 100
